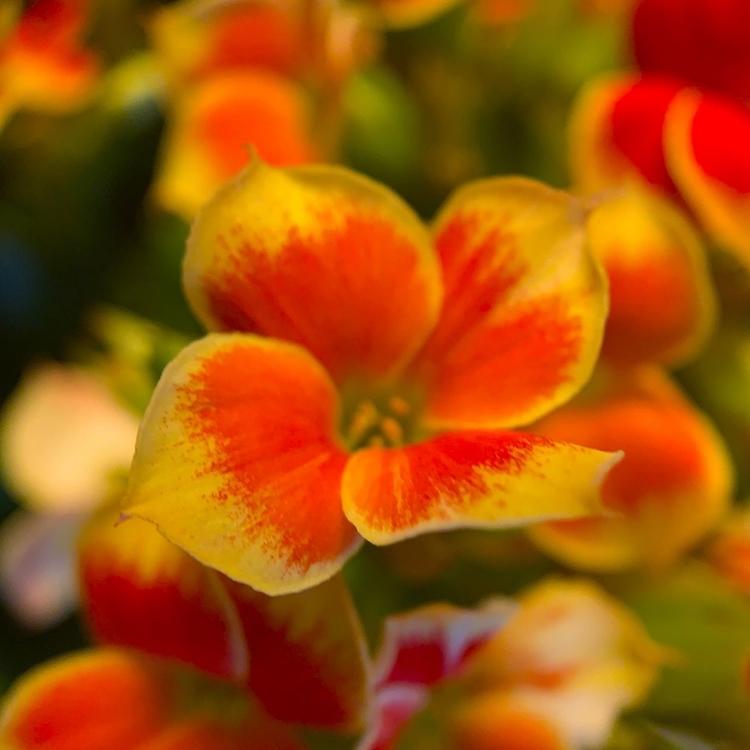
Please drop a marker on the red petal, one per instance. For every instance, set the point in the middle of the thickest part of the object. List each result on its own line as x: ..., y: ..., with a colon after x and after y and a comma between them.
x: 308, y: 661
x: 427, y: 645
x: 702, y: 42
x: 143, y: 592
x: 617, y: 132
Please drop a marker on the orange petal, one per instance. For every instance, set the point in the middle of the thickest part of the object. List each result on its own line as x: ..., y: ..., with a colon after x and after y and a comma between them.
x: 702, y: 42
x: 482, y: 479
x: 308, y: 660
x: 498, y: 721
x: 120, y: 701
x: 616, y: 133
x: 662, y: 304
x: 320, y: 256
x: 99, y: 699
x: 708, y: 149
x: 142, y: 592
x: 671, y: 488
x: 213, y: 127
x: 427, y: 645
x: 237, y: 464
x: 525, y: 304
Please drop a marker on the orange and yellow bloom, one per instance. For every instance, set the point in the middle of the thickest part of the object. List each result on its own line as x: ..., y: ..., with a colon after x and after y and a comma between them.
x: 249, y: 74
x: 363, y: 374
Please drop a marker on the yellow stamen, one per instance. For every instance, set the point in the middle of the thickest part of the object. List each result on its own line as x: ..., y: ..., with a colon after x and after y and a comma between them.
x: 399, y: 406
x: 392, y: 431
x: 376, y: 441
x: 364, y: 419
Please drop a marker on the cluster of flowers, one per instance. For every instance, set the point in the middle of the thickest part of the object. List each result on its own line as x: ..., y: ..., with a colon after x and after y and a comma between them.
x: 368, y: 380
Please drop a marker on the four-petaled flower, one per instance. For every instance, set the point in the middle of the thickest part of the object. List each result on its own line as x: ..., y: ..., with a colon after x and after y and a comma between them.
x: 317, y: 280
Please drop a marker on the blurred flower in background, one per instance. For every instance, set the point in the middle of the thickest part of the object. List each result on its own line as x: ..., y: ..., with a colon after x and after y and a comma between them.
x: 44, y: 65
x: 552, y: 673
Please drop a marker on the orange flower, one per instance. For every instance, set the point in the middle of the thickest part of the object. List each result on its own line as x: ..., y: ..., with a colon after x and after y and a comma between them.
x: 551, y: 674
x: 246, y: 74
x: 196, y: 39
x: 672, y: 488
x: 191, y: 659
x: 373, y: 375
x: 42, y: 66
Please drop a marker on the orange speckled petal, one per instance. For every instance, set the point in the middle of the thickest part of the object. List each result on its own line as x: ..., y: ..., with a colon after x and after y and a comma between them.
x: 708, y: 150
x: 213, y: 127
x: 470, y: 479
x: 662, y: 304
x: 524, y: 311
x: 308, y: 659
x: 671, y: 488
x: 236, y: 463
x: 429, y: 644
x: 319, y: 256
x: 122, y: 701
x: 140, y: 591
x: 616, y: 133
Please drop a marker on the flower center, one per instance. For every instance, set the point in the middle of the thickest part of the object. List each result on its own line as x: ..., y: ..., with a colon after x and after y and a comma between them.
x: 380, y: 420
